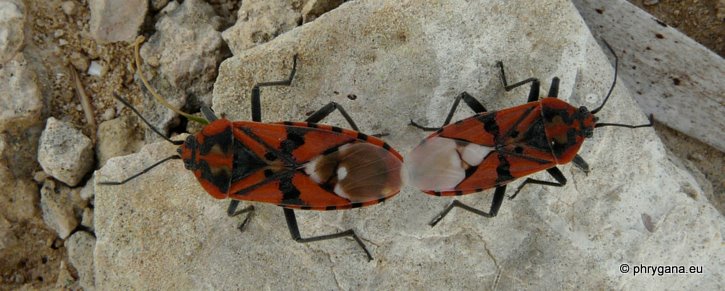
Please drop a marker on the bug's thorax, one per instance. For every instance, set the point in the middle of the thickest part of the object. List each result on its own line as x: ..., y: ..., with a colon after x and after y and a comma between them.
x: 209, y: 154
x: 566, y: 127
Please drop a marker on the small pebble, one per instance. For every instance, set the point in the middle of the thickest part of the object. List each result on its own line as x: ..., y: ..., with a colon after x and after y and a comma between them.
x: 40, y: 176
x: 108, y: 114
x: 79, y: 61
x: 69, y: 8
x: 95, y: 69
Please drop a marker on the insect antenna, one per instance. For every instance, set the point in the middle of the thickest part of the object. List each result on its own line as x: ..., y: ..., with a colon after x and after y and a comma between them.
x: 651, y: 122
x: 174, y: 157
x: 614, y: 82
x: 125, y: 102
x: 175, y: 142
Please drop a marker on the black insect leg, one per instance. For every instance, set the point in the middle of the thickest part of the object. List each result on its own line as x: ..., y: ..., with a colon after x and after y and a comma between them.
x: 256, y: 103
x: 472, y: 103
x: 554, y: 172
x: 326, y: 110
x: 533, y: 93
x: 580, y: 163
x: 554, y: 89
x: 495, y: 206
x: 294, y: 230
x: 208, y: 113
x: 232, y: 211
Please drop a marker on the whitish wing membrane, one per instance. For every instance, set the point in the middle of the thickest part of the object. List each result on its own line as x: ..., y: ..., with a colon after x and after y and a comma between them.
x: 439, y: 164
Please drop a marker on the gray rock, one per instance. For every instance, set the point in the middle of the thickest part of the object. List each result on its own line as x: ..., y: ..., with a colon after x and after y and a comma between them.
x: 7, y: 238
x: 113, y: 21
x: 64, y: 152
x: 672, y: 75
x: 61, y: 207
x: 19, y: 197
x: 315, y: 8
x: 158, y: 4
x: 186, y: 48
x: 409, y: 60
x: 88, y: 191
x: 80, y: 253
x: 87, y: 219
x: 20, y: 103
x: 118, y: 137
x: 69, y: 8
x: 12, y: 20
x: 65, y: 278
x: 259, y: 21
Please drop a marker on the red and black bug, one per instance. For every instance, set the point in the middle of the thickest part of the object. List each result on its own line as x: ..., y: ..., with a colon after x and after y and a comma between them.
x: 296, y: 165
x: 493, y: 148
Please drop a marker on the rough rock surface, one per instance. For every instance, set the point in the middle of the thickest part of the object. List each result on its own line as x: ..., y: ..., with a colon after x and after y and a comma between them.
x: 186, y: 48
x: 113, y: 21
x: 80, y: 252
x: 19, y: 198
x: 315, y: 8
x: 20, y: 101
x: 259, y: 21
x: 409, y: 60
x: 62, y: 207
x: 670, y: 74
x: 64, y: 152
x: 11, y: 29
x: 118, y: 137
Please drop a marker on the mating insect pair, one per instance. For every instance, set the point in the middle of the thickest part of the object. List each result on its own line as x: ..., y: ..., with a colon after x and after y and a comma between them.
x: 306, y: 165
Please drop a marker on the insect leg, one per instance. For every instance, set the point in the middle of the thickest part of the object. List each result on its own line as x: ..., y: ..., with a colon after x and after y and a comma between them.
x: 495, y: 206
x: 533, y: 93
x: 554, y: 88
x: 323, y: 112
x: 208, y: 113
x: 174, y: 157
x: 472, y: 103
x: 256, y: 105
x: 554, y: 172
x: 232, y: 211
x: 294, y: 230
x: 580, y: 163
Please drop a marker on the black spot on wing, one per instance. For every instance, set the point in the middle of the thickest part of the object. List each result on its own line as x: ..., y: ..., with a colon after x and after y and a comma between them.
x: 362, y: 136
x: 290, y: 193
x: 489, y: 123
x: 270, y: 156
x: 295, y: 138
x: 503, y: 170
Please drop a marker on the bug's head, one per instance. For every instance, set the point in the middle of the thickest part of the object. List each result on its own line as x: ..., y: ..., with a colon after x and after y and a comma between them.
x: 187, y: 151
x: 587, y: 121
